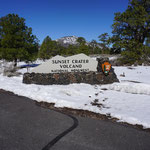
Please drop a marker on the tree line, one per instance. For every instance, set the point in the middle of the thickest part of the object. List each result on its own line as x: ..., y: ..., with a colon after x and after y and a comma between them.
x: 130, y: 37
x: 51, y: 48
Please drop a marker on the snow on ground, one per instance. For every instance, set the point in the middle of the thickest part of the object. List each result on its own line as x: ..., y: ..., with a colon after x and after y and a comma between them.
x: 139, y: 74
x: 129, y: 100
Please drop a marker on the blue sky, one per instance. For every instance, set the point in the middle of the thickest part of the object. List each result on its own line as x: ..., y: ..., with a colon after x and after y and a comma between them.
x: 58, y: 18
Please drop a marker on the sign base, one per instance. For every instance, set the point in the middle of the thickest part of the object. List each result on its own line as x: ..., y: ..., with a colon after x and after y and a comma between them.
x: 69, y: 78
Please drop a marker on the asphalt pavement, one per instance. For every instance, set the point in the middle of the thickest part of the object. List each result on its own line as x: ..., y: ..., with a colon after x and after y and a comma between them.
x: 26, y: 126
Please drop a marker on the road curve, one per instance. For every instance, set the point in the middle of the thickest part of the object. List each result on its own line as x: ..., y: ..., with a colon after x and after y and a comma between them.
x: 61, y: 135
x: 26, y: 126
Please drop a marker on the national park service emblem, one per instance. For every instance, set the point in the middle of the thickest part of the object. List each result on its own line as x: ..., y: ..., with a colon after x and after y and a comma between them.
x: 106, y: 66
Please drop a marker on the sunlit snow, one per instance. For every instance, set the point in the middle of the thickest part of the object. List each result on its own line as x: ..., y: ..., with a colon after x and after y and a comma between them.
x: 129, y: 100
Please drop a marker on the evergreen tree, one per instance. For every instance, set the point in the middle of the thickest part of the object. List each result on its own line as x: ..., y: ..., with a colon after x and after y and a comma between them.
x: 94, y: 47
x: 83, y: 49
x: 97, y: 50
x: 81, y: 40
x: 16, y: 39
x: 50, y: 48
x: 46, y: 48
x: 131, y: 29
x: 55, y: 48
x: 71, y: 50
x: 104, y: 38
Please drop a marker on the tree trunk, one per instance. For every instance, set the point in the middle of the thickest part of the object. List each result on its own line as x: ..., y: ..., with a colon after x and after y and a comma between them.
x: 15, y: 62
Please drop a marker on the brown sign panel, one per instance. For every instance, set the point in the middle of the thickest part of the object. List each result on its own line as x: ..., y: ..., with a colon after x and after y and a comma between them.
x: 106, y: 66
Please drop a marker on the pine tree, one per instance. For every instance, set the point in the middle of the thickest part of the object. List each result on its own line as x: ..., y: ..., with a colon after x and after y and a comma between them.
x: 50, y: 48
x: 104, y: 38
x: 45, y: 49
x: 81, y: 40
x: 131, y: 29
x: 16, y: 39
x: 83, y: 49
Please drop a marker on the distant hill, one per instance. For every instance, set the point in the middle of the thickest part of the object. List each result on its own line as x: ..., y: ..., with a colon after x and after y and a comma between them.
x: 68, y: 40
x: 72, y: 40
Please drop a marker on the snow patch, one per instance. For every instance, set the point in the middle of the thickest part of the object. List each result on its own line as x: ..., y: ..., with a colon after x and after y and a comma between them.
x: 133, y: 88
x: 127, y: 101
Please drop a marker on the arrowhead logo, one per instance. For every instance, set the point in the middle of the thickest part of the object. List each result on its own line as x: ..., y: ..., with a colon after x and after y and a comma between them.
x: 106, y: 66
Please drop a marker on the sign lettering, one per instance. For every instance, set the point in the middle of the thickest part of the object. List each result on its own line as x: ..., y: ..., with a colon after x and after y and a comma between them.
x: 59, y: 64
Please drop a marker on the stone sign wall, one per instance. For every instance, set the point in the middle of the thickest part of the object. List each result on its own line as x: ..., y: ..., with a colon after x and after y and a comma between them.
x: 75, y: 69
x: 59, y: 64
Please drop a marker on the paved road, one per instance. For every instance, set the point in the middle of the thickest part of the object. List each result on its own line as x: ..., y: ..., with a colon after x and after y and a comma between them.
x: 26, y: 126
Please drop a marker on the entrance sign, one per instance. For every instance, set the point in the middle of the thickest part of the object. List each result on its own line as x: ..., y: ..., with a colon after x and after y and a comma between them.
x: 74, y: 69
x: 106, y: 66
x: 75, y: 63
